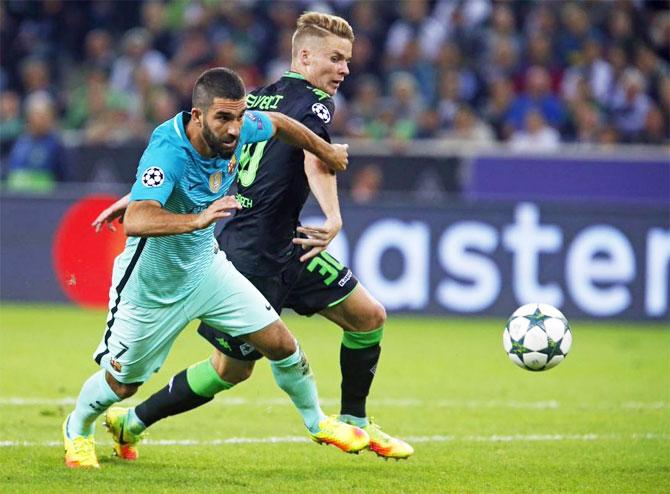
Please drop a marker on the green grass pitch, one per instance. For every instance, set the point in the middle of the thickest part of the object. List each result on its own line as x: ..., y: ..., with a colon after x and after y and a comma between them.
x: 599, y: 422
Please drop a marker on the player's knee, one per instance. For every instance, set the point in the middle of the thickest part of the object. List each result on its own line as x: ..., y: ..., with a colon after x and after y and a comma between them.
x: 274, y: 341
x: 122, y: 390
x: 283, y: 343
x: 375, y: 317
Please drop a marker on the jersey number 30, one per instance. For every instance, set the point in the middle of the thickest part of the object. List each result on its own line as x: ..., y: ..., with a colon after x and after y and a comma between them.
x: 249, y: 162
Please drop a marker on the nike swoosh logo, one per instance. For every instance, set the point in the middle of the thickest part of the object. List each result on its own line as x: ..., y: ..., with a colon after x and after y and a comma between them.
x: 192, y: 186
x: 268, y: 306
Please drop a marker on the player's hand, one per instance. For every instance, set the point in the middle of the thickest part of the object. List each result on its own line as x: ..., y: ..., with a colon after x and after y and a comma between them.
x: 107, y: 217
x: 338, y: 159
x: 221, y: 208
x: 318, y: 237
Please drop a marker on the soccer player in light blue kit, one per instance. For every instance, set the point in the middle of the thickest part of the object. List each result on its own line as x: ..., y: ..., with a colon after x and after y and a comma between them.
x: 171, y: 271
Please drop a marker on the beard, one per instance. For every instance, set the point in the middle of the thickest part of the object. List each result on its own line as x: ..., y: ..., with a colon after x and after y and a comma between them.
x: 215, y: 144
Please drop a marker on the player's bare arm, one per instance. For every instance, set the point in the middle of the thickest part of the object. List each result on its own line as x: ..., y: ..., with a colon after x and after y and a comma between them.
x: 336, y: 156
x: 323, y: 184
x: 150, y: 219
x: 108, y: 215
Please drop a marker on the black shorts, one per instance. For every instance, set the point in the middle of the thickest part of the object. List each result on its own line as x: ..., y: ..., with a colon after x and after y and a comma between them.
x: 306, y: 287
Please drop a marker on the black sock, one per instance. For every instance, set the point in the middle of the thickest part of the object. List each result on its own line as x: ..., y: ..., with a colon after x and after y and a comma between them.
x: 175, y: 398
x: 358, y: 368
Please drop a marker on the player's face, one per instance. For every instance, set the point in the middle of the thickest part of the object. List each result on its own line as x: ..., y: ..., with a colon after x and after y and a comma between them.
x: 221, y: 125
x: 329, y: 63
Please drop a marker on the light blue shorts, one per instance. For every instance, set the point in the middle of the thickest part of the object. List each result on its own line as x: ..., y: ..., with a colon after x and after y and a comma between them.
x: 138, y: 339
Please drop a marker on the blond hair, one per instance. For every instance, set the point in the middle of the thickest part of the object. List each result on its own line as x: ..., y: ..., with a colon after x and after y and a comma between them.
x: 320, y: 25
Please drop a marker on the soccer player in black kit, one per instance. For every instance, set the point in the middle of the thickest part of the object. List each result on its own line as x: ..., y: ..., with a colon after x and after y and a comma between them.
x: 287, y: 262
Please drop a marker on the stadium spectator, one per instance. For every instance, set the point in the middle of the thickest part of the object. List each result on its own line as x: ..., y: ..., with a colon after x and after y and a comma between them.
x: 90, y: 105
x: 503, y: 63
x: 11, y: 123
x: 537, y: 96
x: 587, y: 123
x: 155, y: 21
x: 405, y: 103
x: 597, y: 73
x: 576, y: 31
x: 162, y: 106
x: 536, y: 136
x: 468, y: 128
x: 539, y: 52
x: 137, y: 52
x: 282, y: 62
x: 482, y: 41
x: 411, y: 62
x: 414, y: 23
x: 365, y: 107
x: 450, y: 59
x: 497, y: 107
x: 659, y: 34
x: 664, y: 97
x: 652, y: 69
x: 366, y: 184
x: 99, y: 50
x: 449, y: 98
x: 193, y: 49
x: 630, y: 104
x: 655, y: 128
x: 37, y: 159
x: 229, y: 53
x: 36, y: 79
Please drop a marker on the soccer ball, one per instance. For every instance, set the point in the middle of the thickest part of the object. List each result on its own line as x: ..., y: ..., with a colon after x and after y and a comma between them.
x: 537, y: 337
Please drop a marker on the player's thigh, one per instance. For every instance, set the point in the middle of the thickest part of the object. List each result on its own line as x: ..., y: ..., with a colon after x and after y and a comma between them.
x: 275, y: 290
x: 359, y: 312
x: 229, y: 303
x: 137, y: 340
x: 324, y: 283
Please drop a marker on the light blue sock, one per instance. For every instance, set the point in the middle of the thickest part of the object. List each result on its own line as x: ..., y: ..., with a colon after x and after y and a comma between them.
x: 353, y: 420
x: 134, y: 424
x: 94, y: 398
x: 294, y: 376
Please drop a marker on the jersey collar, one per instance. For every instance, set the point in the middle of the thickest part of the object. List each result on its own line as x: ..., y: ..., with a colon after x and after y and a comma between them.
x: 294, y: 75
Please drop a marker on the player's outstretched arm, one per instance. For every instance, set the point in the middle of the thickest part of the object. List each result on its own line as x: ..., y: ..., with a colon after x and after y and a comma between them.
x: 149, y: 219
x: 108, y: 215
x: 323, y: 184
x: 336, y: 156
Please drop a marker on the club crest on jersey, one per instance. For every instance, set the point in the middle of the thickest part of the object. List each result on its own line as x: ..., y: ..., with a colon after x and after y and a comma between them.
x: 153, y: 177
x: 231, y: 164
x: 215, y: 181
x: 321, y: 111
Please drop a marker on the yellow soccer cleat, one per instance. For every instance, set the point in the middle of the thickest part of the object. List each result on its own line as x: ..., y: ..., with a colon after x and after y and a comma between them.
x: 387, y: 446
x: 348, y: 438
x: 80, y: 451
x: 125, y: 442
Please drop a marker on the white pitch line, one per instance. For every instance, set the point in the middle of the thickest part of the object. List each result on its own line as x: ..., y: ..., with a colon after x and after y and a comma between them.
x: 382, y: 402
x: 495, y: 438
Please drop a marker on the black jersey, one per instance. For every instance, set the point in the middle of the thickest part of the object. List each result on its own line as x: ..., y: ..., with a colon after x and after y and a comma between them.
x: 271, y: 181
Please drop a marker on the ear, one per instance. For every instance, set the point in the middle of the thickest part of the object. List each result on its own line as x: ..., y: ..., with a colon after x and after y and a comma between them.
x: 305, y: 56
x: 197, y: 116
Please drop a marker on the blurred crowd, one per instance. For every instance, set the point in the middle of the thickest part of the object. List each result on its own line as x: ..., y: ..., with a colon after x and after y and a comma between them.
x: 532, y: 74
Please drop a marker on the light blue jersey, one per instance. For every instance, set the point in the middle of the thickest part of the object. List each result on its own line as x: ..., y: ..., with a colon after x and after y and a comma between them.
x: 156, y: 271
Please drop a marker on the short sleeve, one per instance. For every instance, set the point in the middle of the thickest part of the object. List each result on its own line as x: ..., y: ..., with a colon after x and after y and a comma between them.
x: 257, y: 127
x: 318, y: 117
x: 158, y: 173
